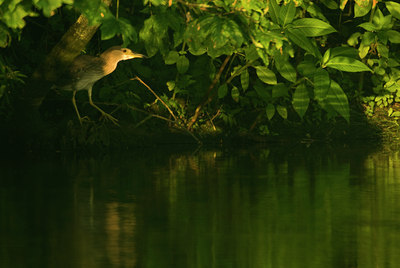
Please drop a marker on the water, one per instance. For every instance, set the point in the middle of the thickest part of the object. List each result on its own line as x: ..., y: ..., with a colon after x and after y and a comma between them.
x: 254, y: 207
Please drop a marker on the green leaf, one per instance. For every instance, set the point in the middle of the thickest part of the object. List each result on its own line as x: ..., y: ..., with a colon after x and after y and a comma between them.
x: 297, y: 37
x: 337, y: 99
x: 312, y: 27
x: 280, y: 90
x: 331, y: 4
x: 343, y: 4
x: 347, y: 64
x: 235, y: 94
x: 282, y: 111
x: 285, y: 68
x: 109, y: 28
x: 263, y: 91
x: 266, y: 75
x: 47, y: 6
x: 361, y: 10
x: 244, y: 79
x: 270, y: 110
x: 14, y: 16
x: 287, y: 13
x: 344, y: 51
x: 326, y: 56
x: 222, y: 91
x: 301, y: 100
x: 171, y: 85
x: 353, y: 39
x: 274, y: 10
x: 172, y: 57
x: 182, y: 64
x: 153, y: 32
x: 322, y: 83
x: 368, y: 26
x: 394, y: 9
x: 394, y: 36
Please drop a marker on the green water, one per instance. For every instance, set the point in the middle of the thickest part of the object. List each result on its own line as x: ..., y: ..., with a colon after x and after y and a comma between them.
x: 157, y: 207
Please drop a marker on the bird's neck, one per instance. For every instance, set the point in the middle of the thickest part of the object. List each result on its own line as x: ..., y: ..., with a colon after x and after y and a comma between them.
x: 109, y: 66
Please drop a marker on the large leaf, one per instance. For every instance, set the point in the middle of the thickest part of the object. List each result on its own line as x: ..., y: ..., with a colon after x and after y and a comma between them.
x: 152, y: 33
x: 337, y: 99
x: 285, y: 68
x: 182, y: 64
x: 280, y: 90
x: 394, y: 9
x: 322, y: 83
x: 362, y: 7
x: 347, y: 64
x: 274, y: 10
x: 287, y: 13
x: 48, y: 6
x: 394, y: 36
x: 313, y: 27
x: 266, y: 75
x: 297, y: 37
x: 301, y: 100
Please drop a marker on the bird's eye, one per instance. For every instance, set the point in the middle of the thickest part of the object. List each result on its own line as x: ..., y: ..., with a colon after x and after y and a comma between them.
x: 124, y: 50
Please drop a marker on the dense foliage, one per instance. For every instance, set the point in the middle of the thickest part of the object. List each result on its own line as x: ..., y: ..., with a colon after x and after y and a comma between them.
x: 248, y: 65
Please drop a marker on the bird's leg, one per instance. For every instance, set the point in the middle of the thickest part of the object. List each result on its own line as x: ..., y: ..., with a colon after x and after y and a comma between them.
x: 76, y: 108
x: 114, y: 120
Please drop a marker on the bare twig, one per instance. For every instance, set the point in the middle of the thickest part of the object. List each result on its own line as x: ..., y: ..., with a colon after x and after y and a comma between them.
x: 158, y: 98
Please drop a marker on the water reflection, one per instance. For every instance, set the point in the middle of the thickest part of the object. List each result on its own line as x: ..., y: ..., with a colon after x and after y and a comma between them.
x: 307, y: 207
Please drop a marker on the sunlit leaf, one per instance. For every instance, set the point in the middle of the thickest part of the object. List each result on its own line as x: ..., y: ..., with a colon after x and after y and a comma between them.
x: 266, y: 75
x: 337, y: 99
x: 297, y: 37
x: 343, y: 4
x: 362, y: 8
x: 326, y: 56
x: 287, y: 13
x: 394, y: 36
x: 301, y: 99
x: 274, y: 10
x: 322, y: 83
x: 313, y: 27
x: 347, y: 64
x: 394, y: 9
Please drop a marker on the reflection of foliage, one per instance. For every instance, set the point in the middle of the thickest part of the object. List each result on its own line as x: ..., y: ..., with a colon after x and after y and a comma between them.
x: 246, y: 64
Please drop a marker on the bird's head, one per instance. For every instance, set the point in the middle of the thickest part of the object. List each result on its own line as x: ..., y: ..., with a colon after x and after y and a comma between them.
x: 118, y: 53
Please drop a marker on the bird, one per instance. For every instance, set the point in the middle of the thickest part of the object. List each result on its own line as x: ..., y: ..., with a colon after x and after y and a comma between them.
x: 86, y: 70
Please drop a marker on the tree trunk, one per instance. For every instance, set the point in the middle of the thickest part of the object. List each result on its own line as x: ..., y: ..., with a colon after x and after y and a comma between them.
x: 55, y: 64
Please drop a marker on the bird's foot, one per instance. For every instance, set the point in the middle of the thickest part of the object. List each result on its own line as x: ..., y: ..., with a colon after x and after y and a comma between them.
x: 111, y: 118
x: 84, y: 119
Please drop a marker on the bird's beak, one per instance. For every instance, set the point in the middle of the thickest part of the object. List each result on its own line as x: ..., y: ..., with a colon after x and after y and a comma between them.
x: 134, y: 55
